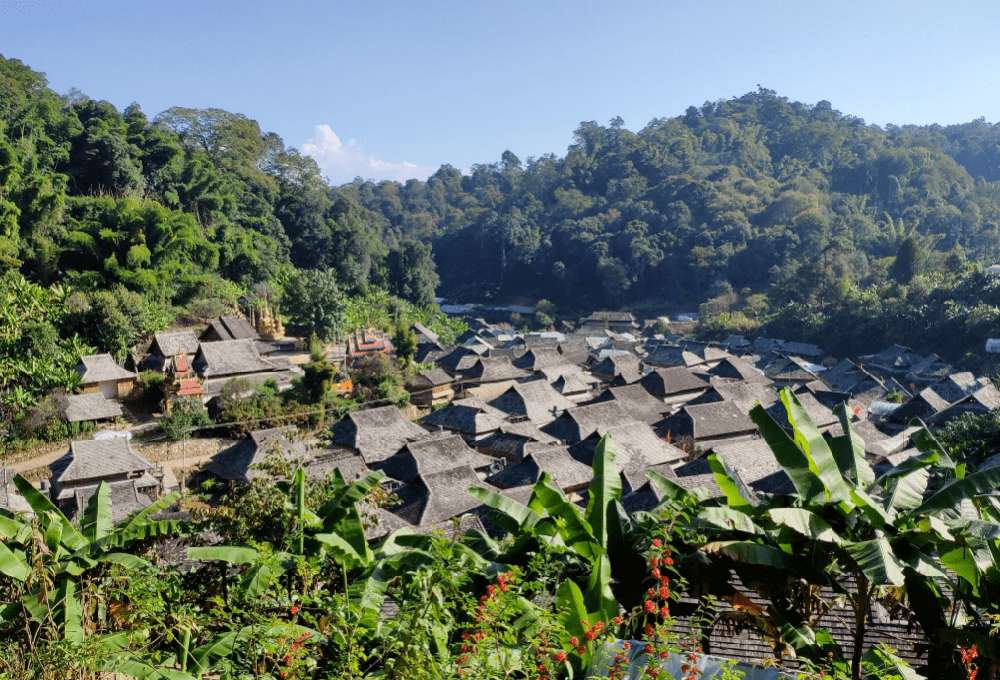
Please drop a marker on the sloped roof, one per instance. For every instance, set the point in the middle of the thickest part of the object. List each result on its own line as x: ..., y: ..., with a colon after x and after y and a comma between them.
x: 94, y: 368
x: 820, y: 415
x: 433, y: 454
x: 744, y: 394
x: 97, y: 459
x: 579, y: 423
x: 566, y: 472
x: 470, y: 416
x: 570, y: 383
x: 738, y: 369
x: 351, y: 466
x: 376, y: 433
x: 752, y: 459
x: 494, y: 369
x: 672, y: 355
x: 176, y: 342
x: 536, y: 399
x: 239, y: 328
x: 956, y: 386
x: 636, y: 401
x: 515, y: 440
x: 665, y: 382
x: 425, y: 334
x: 636, y: 448
x: 10, y: 498
x: 538, y: 358
x: 924, y: 404
x: 625, y: 364
x: 230, y: 357
x: 238, y: 462
x: 127, y: 498
x: 434, y: 377
x: 445, y: 495
x: 457, y: 360
x: 92, y: 406
x: 717, y: 419
x: 789, y: 369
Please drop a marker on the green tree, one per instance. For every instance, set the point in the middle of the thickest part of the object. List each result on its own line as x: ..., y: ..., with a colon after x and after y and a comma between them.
x: 313, y: 300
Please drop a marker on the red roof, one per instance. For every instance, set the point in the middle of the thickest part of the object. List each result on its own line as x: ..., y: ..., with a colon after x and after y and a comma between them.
x: 189, y: 387
x: 181, y: 364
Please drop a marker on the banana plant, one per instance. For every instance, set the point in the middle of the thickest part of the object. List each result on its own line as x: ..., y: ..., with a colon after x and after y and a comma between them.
x: 56, y: 560
x: 843, y: 523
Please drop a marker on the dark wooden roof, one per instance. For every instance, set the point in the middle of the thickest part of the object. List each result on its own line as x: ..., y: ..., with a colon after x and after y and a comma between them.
x: 535, y: 400
x: 376, y: 433
x: 675, y: 380
x: 91, y: 406
x: 579, y: 423
x: 637, y: 402
x: 97, y: 459
x: 95, y: 368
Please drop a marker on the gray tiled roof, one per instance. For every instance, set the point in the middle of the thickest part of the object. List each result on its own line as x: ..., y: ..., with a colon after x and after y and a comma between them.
x: 579, y: 423
x: 566, y: 472
x: 708, y: 421
x: 230, y: 357
x: 744, y: 394
x: 538, y: 358
x: 376, y: 433
x: 425, y: 334
x: 127, y: 497
x: 442, y: 495
x: 92, y: 406
x: 351, y: 466
x: 434, y: 377
x: 239, y: 328
x: 636, y: 448
x: 637, y: 402
x: 437, y: 453
x: 239, y: 462
x: 536, y: 399
x: 674, y: 380
x: 820, y: 415
x: 494, y: 369
x: 98, y: 459
x: 176, y: 342
x: 469, y: 416
x: 752, y: 459
x: 94, y: 368
x: 738, y: 369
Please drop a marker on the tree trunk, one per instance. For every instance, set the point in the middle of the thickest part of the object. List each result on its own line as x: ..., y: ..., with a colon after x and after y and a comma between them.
x: 860, y: 602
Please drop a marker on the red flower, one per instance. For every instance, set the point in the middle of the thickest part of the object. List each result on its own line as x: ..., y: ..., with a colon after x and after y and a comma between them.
x: 294, y: 609
x: 559, y: 656
x: 664, y: 654
x: 665, y: 611
x: 657, y: 543
x: 618, y: 620
x: 664, y: 592
x: 655, y: 572
x: 649, y: 606
x: 574, y: 641
x: 668, y: 561
x: 648, y: 648
x: 581, y: 650
x: 649, y: 630
x: 590, y: 635
x: 626, y: 645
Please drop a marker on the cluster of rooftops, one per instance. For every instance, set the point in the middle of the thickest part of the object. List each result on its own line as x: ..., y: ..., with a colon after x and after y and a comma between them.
x: 499, y: 408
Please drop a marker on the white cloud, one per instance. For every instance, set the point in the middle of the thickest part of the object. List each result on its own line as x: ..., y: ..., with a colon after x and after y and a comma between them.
x: 341, y: 162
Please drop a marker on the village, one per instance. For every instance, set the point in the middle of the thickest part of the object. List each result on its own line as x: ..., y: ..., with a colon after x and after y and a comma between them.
x: 499, y: 409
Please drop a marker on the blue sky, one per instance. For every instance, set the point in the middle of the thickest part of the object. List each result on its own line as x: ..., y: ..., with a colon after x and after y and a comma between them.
x: 394, y: 89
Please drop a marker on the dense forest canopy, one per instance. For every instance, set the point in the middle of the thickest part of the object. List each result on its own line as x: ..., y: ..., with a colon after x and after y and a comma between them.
x: 743, y: 192
x: 191, y: 205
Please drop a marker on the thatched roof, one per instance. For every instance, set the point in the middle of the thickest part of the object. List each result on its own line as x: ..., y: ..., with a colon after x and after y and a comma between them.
x: 494, y: 369
x: 95, y: 368
x: 78, y: 408
x: 738, y: 369
x: 752, y: 459
x: 433, y: 455
x: 709, y: 421
x: 536, y: 400
x: 566, y: 472
x: 376, y: 433
x: 441, y: 495
x: 636, y: 448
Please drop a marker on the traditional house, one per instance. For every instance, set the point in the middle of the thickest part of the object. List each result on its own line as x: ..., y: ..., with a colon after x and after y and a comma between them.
x: 350, y: 466
x: 471, y: 417
x: 620, y: 368
x: 431, y: 388
x: 983, y: 400
x: 578, y: 423
x: 822, y: 417
x: 752, y: 460
x: 11, y: 499
x: 733, y: 368
x: 76, y: 475
x: 637, y: 402
x: 458, y: 360
x: 167, y: 345
x: 785, y: 371
x: 666, y: 356
x: 538, y: 358
x: 376, y: 433
x: 709, y: 424
x: 535, y: 400
x: 566, y: 472
x: 924, y: 405
x: 241, y: 462
x: 573, y: 386
x: 895, y: 360
x: 637, y: 449
x: 745, y: 395
x: 490, y: 377
x: 574, y: 351
x: 219, y: 362
x: 365, y: 343
x: 229, y: 328
x: 608, y: 320
x: 513, y: 441
x: 958, y: 385
x: 434, y: 454
x: 429, y: 346
x: 438, y: 496
x: 674, y: 385
x: 928, y: 370
x: 100, y: 373
x: 92, y: 407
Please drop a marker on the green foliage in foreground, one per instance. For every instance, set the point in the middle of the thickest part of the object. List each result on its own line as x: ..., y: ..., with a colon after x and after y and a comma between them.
x: 295, y: 589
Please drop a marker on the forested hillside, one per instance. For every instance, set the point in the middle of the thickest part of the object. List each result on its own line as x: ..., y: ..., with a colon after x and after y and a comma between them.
x: 191, y: 206
x: 744, y: 192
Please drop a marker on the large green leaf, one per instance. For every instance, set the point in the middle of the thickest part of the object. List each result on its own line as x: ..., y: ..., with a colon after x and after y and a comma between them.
x: 805, y: 523
x: 223, y: 553
x: 515, y: 516
x: 44, y: 508
x: 97, y: 521
x: 877, y: 560
x: 728, y: 519
x: 13, y: 563
x: 792, y: 460
x: 259, y: 576
x: 70, y: 612
x: 951, y: 495
x: 928, y: 444
x: 813, y: 445
x: 849, y: 451
x: 668, y: 488
x: 334, y: 510
x: 748, y: 552
x: 573, y: 528
x: 962, y: 561
x: 605, y: 488
x: 737, y: 494
x: 572, y: 611
x: 906, y: 493
x: 126, y: 560
x: 343, y: 552
x: 599, y: 597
